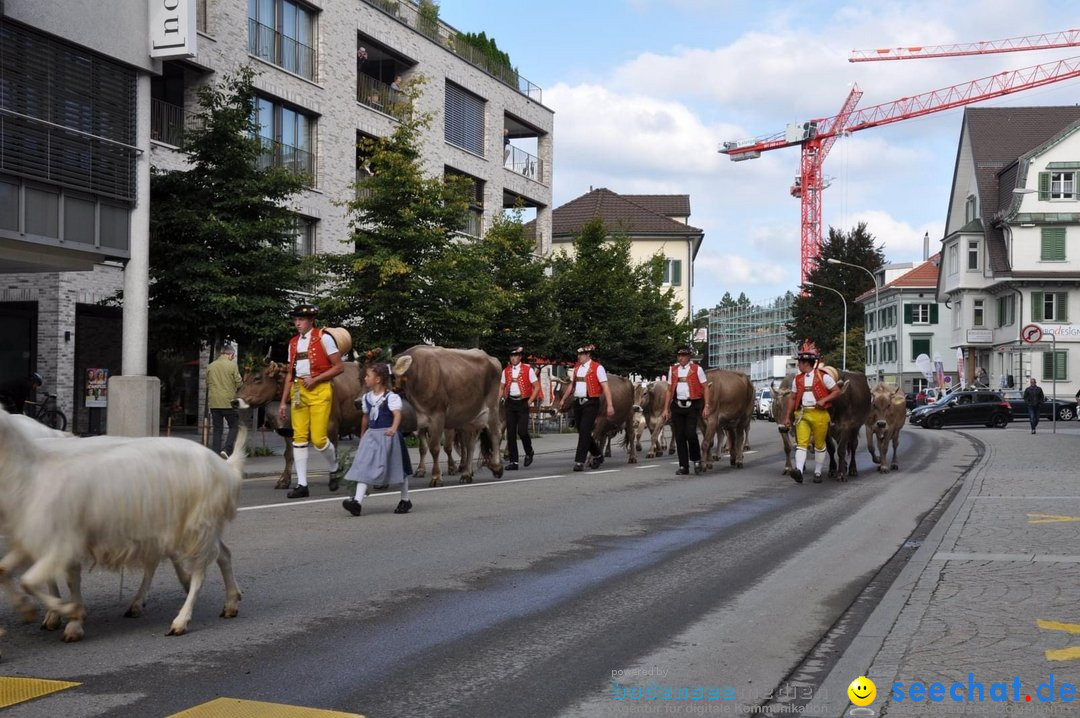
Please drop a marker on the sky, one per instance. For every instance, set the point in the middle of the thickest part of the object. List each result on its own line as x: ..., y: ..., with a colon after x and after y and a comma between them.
x: 644, y: 92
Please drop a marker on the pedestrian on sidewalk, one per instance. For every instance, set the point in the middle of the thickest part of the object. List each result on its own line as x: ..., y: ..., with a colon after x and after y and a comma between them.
x: 520, y: 388
x: 314, y: 360
x: 381, y: 458
x: 686, y: 402
x: 588, y: 382
x: 1033, y: 397
x: 812, y: 394
x: 222, y: 382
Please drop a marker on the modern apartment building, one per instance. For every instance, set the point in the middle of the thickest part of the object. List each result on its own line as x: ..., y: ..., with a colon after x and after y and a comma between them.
x: 742, y: 335
x: 329, y: 75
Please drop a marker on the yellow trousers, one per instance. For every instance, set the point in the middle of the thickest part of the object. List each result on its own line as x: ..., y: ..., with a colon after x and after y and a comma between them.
x: 311, y: 414
x: 811, y: 422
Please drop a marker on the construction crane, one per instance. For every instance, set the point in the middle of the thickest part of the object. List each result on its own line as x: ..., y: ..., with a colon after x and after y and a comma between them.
x: 1047, y: 41
x: 811, y: 136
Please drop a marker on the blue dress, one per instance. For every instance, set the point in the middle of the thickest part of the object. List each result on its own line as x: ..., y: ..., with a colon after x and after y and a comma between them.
x: 380, y: 459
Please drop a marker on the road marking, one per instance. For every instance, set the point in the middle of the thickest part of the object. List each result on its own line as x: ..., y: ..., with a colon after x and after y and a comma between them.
x: 1073, y: 628
x: 1063, y: 654
x: 1068, y: 653
x: 18, y: 690
x: 1050, y: 519
x: 237, y: 708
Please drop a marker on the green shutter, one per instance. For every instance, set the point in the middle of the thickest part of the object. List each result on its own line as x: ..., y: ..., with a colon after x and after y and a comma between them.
x: 907, y: 314
x: 1044, y: 185
x: 1053, y: 244
x: 1061, y: 306
x: 1048, y: 366
x: 1036, y: 306
x: 933, y: 313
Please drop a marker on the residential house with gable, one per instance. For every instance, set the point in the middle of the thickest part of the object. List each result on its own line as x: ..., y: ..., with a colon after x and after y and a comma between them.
x: 1011, y: 251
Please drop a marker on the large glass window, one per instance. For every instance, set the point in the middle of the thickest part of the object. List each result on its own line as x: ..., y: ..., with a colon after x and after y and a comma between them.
x: 283, y: 33
x: 288, y: 138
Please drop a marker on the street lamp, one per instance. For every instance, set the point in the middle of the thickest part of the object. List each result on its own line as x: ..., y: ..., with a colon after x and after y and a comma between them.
x: 842, y: 299
x: 877, y: 304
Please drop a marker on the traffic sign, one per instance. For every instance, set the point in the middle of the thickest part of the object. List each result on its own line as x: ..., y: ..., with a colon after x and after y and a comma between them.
x: 1031, y: 333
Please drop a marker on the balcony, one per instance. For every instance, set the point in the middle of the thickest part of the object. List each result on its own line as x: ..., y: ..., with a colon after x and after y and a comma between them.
x: 379, y: 96
x: 268, y: 44
x: 518, y: 160
x: 168, y: 122
x: 295, y: 160
x: 441, y: 33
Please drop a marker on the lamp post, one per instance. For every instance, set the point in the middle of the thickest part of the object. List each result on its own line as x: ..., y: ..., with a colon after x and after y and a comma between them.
x: 842, y: 299
x: 877, y: 301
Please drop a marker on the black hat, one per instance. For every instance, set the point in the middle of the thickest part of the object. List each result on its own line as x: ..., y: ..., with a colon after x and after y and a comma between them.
x: 586, y: 349
x: 517, y: 350
x: 304, y: 310
x: 684, y: 350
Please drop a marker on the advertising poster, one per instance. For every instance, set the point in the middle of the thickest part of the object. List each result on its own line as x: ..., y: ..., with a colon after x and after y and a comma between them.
x: 97, y: 388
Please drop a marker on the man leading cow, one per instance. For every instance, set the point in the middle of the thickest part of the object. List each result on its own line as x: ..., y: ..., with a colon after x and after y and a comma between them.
x: 686, y: 402
x: 519, y: 388
x: 813, y: 391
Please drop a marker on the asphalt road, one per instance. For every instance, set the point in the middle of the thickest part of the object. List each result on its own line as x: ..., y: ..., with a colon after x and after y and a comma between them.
x: 528, y: 596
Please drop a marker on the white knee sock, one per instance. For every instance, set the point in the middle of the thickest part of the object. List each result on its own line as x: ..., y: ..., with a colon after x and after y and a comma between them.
x: 405, y: 490
x: 820, y: 457
x: 300, y: 462
x: 361, y: 491
x: 800, y: 459
x: 329, y: 453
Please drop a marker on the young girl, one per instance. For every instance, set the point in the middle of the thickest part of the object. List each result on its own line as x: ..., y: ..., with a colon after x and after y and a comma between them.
x: 381, y: 457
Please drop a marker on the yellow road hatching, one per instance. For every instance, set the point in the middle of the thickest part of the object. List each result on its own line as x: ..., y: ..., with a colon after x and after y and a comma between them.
x: 17, y: 690
x: 237, y: 708
x: 1060, y: 654
x: 1050, y: 519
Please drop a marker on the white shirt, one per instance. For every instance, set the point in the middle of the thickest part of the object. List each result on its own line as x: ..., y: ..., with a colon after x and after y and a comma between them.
x: 515, y: 372
x: 580, y: 389
x: 808, y: 399
x: 303, y: 366
x: 373, y: 400
x: 682, y: 388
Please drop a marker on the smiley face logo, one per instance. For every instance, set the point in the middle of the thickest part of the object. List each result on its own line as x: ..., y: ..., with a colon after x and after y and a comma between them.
x: 862, y: 691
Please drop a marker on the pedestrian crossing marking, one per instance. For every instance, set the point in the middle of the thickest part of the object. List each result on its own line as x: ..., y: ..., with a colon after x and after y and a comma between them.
x: 1050, y: 519
x: 1063, y: 654
x: 18, y: 690
x: 1073, y: 628
x: 1060, y: 654
x: 237, y: 708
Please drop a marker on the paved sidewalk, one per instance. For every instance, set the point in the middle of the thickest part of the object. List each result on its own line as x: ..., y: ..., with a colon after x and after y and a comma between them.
x: 989, y: 598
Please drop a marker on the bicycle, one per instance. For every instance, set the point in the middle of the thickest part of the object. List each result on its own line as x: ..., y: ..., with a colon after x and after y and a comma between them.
x: 46, y: 412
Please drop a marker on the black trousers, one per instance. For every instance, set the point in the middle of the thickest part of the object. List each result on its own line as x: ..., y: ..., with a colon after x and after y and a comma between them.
x: 585, y: 419
x: 517, y: 425
x: 684, y: 425
x: 216, y: 416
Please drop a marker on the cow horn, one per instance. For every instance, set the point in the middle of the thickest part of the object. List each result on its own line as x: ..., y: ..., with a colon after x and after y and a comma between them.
x: 269, y: 349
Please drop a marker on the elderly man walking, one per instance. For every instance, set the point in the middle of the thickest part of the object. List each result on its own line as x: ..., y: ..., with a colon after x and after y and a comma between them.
x: 222, y: 381
x: 1033, y: 397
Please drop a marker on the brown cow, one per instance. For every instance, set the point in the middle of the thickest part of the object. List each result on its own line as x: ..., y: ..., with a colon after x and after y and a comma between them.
x: 731, y: 398
x: 649, y: 400
x: 888, y: 413
x: 263, y: 387
x: 454, y: 389
x: 622, y: 398
x: 780, y: 396
x: 847, y: 416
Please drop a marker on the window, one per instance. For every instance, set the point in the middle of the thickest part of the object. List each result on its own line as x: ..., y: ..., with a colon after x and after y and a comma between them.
x: 1049, y: 306
x: 977, y: 313
x: 1053, y: 244
x: 957, y: 314
x: 304, y: 236
x: 1057, y: 185
x: 474, y: 223
x: 954, y: 260
x: 969, y: 209
x: 920, y: 314
x: 919, y: 384
x: 464, y: 123
x: 672, y: 272
x: 1006, y: 311
x: 1056, y: 365
x: 973, y: 254
x: 282, y: 32
x: 869, y: 322
x: 288, y: 138
x: 920, y: 345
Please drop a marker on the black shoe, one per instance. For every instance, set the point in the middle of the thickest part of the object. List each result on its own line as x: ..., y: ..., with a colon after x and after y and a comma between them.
x: 528, y: 459
x: 817, y: 478
x: 682, y: 471
x: 579, y: 467
x: 335, y: 483
x: 1032, y: 431
x: 512, y: 466
x: 403, y: 507
x: 352, y: 506
x: 796, y: 476
x: 298, y: 492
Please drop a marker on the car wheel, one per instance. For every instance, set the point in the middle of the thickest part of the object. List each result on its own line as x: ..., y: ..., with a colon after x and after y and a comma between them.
x: 1065, y: 413
x: 934, y: 422
x: 1000, y: 421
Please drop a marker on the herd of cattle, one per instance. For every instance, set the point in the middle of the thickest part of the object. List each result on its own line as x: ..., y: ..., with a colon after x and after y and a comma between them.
x: 114, y: 502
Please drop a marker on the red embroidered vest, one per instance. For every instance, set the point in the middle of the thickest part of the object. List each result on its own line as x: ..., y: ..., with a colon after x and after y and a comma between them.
x: 523, y: 382
x: 592, y: 383
x: 696, y: 389
x: 818, y: 388
x: 316, y: 353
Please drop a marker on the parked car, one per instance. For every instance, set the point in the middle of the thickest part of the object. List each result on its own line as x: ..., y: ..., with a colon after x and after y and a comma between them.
x: 964, y: 408
x: 909, y: 399
x: 1066, y: 408
x: 763, y: 404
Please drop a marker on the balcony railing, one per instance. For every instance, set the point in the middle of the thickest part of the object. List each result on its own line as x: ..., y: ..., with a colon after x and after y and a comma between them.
x: 295, y: 160
x: 380, y: 96
x: 525, y: 164
x: 409, y: 14
x: 267, y: 43
x: 168, y: 122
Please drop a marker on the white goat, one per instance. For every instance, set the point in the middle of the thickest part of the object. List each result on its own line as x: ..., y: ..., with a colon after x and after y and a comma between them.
x: 115, y: 503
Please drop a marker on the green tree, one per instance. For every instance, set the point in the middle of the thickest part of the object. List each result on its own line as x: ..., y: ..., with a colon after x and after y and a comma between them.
x: 818, y: 315
x: 222, y: 256
x: 856, y: 351
x: 656, y: 331
x: 410, y: 277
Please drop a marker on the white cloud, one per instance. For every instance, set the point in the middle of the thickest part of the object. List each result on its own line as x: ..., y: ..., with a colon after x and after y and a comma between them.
x: 727, y: 270
x: 903, y: 241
